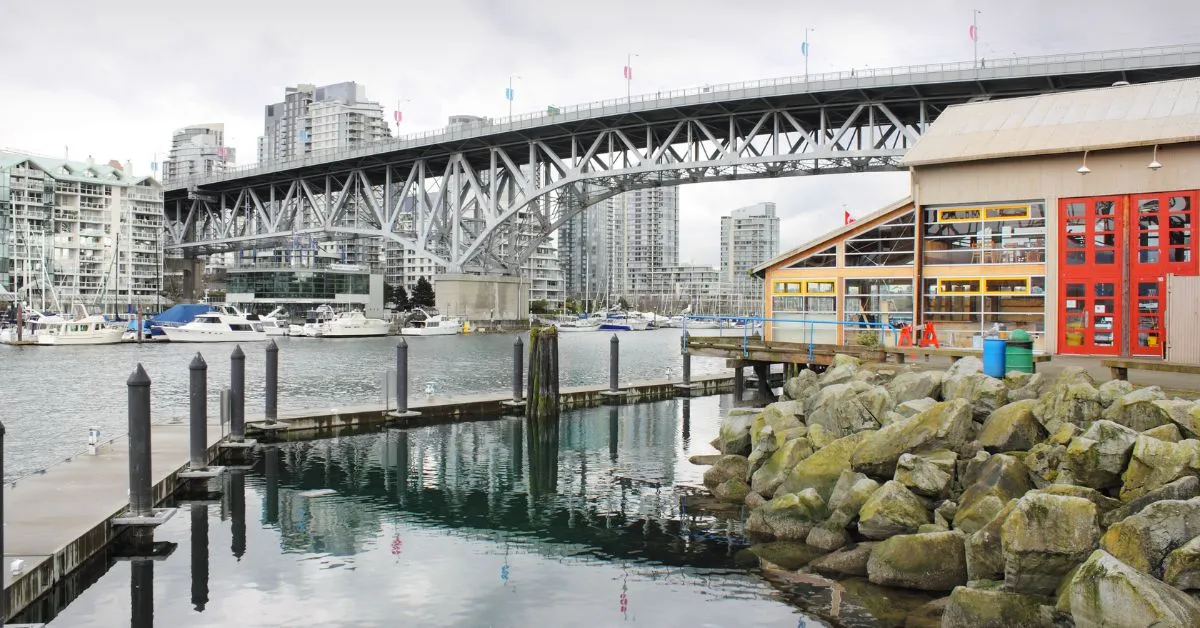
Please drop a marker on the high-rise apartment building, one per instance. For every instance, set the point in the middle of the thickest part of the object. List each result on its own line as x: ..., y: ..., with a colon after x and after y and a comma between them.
x: 79, y: 232
x: 749, y: 236
x: 198, y: 150
x: 621, y: 246
x: 312, y: 118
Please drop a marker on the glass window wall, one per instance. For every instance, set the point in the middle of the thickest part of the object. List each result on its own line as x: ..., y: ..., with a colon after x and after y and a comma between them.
x: 1013, y: 233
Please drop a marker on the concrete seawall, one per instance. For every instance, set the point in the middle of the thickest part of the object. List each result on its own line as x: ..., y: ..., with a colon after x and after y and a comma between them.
x: 57, y: 520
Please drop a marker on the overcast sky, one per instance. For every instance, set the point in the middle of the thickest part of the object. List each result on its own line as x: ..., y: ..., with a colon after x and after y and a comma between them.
x: 113, y: 80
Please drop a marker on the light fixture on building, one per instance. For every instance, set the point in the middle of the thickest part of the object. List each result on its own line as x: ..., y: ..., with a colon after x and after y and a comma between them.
x: 1084, y: 169
x: 1154, y: 165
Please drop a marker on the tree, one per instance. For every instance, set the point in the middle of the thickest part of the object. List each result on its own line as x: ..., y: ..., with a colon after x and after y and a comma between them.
x: 541, y: 306
x: 397, y: 296
x: 422, y: 294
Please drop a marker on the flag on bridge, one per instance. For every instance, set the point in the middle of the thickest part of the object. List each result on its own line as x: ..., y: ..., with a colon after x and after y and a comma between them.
x: 508, y: 93
x: 848, y: 218
x: 973, y: 33
x: 628, y: 73
x: 804, y: 48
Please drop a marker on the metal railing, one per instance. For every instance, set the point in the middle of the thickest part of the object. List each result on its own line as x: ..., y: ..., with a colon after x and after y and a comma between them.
x: 1000, y: 67
x: 749, y: 321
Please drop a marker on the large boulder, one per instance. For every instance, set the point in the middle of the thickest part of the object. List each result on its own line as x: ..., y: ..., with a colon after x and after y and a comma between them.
x: 774, y: 470
x: 783, y: 415
x: 992, y: 608
x: 847, y: 561
x: 849, y: 494
x: 841, y: 370
x: 734, y: 435
x: 1144, y: 540
x: 801, y: 387
x: 1181, y: 568
x: 946, y: 425
x: 1169, y: 432
x: 1044, y: 459
x: 727, y: 479
x: 839, y: 409
x: 922, y: 476
x: 1182, y: 489
x: 1072, y: 399
x: 821, y: 470
x: 1027, y: 388
x: 1001, y: 478
x: 1106, y: 592
x: 985, y: 394
x: 790, y: 516
x: 985, y: 555
x: 892, y: 510
x: 1044, y: 537
x: 1012, y: 427
x: 1136, y: 409
x: 930, y: 562
x: 1155, y: 463
x: 1185, y: 414
x: 913, y: 385
x: 1098, y: 457
x: 1113, y: 390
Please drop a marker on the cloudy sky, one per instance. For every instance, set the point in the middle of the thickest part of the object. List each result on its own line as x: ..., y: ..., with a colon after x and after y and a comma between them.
x: 113, y: 80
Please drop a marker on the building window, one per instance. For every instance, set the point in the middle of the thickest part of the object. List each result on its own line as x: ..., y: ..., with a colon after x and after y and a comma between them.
x: 811, y: 300
x: 1009, y: 233
x: 826, y: 258
x: 962, y: 308
x: 890, y: 244
x: 875, y: 301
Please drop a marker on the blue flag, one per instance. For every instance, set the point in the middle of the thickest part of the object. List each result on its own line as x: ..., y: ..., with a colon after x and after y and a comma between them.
x: 508, y: 93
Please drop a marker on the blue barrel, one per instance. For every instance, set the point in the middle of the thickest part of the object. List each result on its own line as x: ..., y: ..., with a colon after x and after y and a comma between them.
x: 993, y: 356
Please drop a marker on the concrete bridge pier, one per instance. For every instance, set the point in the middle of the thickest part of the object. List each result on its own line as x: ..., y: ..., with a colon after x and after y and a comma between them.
x: 483, y: 299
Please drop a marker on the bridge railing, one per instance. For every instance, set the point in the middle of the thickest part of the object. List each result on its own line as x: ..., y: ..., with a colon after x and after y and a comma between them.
x: 999, y: 67
x: 807, y: 327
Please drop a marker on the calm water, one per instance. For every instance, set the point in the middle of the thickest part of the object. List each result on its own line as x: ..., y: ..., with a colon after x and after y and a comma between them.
x: 51, y: 395
x: 469, y: 524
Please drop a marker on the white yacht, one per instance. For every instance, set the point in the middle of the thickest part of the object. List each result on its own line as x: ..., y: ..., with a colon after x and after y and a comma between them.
x: 217, y: 327
x: 433, y: 324
x: 314, y: 321
x: 82, y: 329
x: 352, y: 324
x: 577, y: 325
x: 270, y: 322
x: 29, y: 327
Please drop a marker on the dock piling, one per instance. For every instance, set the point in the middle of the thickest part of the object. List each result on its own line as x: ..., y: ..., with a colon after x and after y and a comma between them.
x: 687, y: 368
x: 138, y: 386
x: 543, y: 402
x: 198, y: 413
x: 3, y: 612
x: 237, y: 385
x: 614, y: 363
x: 272, y: 386
x: 402, y: 411
x: 518, y: 368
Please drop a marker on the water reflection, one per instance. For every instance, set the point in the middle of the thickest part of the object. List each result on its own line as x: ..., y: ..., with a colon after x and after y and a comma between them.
x: 141, y: 599
x: 448, y: 526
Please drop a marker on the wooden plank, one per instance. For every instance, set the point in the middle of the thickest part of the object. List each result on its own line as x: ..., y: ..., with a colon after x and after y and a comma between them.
x: 1143, y: 365
x: 950, y: 353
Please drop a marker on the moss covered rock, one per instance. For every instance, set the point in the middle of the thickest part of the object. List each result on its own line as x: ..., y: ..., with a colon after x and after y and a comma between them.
x: 914, y: 385
x: 922, y: 476
x: 1012, y: 427
x: 992, y: 608
x: 776, y: 467
x: 1169, y: 432
x: 1143, y: 541
x: 1072, y: 399
x: 1112, y: 390
x: 1044, y: 537
x: 790, y: 516
x: 1097, y: 457
x: 1155, y: 463
x: 1184, y: 414
x: 930, y: 562
x: 1136, y: 409
x: 821, y: 470
x: 734, y: 435
x: 847, y: 561
x: 840, y: 408
x: 802, y: 386
x: 724, y: 468
x: 1106, y: 592
x: 892, y: 510
x: 788, y: 555
x: 1001, y: 478
x: 1181, y: 568
x: 1181, y: 489
x: 985, y: 556
x: 946, y: 425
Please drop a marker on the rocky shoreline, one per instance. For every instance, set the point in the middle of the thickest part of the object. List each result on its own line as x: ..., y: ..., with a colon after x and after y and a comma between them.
x: 1014, y: 502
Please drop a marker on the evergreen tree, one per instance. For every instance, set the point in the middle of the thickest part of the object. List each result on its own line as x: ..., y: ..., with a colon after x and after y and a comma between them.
x: 422, y: 294
x: 397, y: 296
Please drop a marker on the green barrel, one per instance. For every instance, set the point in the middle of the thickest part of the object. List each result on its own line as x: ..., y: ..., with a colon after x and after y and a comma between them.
x: 1018, y: 356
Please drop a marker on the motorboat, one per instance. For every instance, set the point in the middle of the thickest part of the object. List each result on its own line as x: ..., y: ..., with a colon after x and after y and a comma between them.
x: 270, y: 322
x: 623, y: 321
x: 352, y: 324
x: 217, y: 326
x: 314, y: 322
x: 430, y: 323
x: 29, y: 327
x: 81, y: 329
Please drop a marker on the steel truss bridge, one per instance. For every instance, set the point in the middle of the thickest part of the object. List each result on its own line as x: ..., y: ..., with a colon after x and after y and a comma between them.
x: 478, y: 198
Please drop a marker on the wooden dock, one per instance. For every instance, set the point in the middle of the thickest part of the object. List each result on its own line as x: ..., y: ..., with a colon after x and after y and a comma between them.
x: 57, y: 520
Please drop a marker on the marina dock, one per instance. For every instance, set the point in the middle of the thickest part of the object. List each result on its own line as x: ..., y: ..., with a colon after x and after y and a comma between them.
x: 55, y: 521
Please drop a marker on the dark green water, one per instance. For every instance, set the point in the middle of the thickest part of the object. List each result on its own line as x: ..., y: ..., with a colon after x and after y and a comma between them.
x: 470, y: 524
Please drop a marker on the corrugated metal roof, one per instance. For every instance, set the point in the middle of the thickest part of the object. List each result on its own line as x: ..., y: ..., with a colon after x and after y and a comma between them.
x: 1167, y: 112
x: 74, y: 170
x: 861, y: 224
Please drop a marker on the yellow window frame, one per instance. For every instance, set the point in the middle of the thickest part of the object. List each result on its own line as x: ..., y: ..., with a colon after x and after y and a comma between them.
x: 985, y: 213
x: 1026, y: 280
x: 778, y: 288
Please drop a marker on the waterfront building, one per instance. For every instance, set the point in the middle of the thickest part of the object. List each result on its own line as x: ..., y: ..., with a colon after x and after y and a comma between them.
x: 749, y: 237
x: 266, y: 282
x: 1066, y: 215
x: 621, y: 246
x: 198, y: 150
x: 312, y: 118
x: 79, y: 232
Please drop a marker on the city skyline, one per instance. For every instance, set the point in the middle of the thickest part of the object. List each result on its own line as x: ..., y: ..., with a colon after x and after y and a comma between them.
x: 210, y: 81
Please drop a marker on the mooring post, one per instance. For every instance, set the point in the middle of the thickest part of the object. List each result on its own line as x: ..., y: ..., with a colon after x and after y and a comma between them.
x: 3, y: 612
x: 401, y: 377
x: 272, y: 392
x: 138, y: 387
x: 141, y: 592
x: 614, y: 363
x: 687, y: 363
x: 543, y: 401
x: 518, y: 369
x: 237, y: 385
x: 198, y: 412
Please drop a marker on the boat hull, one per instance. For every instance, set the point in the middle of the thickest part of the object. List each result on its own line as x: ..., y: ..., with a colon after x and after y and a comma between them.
x: 430, y: 331
x: 181, y: 334
x: 571, y: 329
x: 368, y: 330
x: 110, y: 336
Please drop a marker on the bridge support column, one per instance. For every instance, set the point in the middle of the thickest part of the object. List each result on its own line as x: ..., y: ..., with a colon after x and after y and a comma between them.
x: 483, y: 297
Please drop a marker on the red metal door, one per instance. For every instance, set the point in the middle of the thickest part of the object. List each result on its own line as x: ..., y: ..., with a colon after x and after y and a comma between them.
x: 1161, y: 243
x: 1090, y: 262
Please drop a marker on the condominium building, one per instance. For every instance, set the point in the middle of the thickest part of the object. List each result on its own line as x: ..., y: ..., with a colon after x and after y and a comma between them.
x: 621, y: 246
x: 749, y: 237
x: 312, y: 118
x: 198, y: 150
x: 79, y: 232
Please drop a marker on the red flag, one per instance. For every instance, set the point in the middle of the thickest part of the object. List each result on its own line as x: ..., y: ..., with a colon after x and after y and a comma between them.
x: 973, y: 33
x: 848, y: 218
x: 628, y: 73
